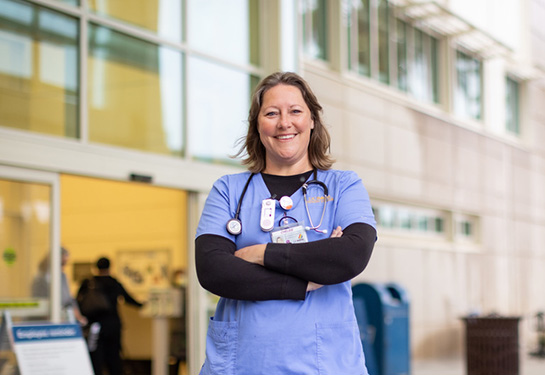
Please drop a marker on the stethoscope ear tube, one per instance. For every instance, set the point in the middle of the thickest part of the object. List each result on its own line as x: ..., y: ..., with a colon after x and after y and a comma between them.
x: 315, y: 182
x: 305, y: 186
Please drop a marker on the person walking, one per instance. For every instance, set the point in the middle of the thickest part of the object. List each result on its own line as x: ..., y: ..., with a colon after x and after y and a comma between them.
x: 107, y: 349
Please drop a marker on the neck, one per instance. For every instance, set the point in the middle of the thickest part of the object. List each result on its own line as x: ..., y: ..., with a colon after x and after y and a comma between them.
x: 288, y: 170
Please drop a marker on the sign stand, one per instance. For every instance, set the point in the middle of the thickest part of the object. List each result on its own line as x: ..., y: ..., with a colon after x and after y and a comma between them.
x: 44, y: 348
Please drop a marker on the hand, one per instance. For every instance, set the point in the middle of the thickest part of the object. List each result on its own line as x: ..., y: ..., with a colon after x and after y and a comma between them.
x: 313, y: 286
x: 80, y: 318
x: 253, y: 254
x: 337, y: 232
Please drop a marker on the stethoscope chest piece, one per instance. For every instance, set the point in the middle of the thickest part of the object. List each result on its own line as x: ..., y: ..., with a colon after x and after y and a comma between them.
x: 234, y: 227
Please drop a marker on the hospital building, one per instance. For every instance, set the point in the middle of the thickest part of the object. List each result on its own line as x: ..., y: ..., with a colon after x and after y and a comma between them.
x: 116, y: 117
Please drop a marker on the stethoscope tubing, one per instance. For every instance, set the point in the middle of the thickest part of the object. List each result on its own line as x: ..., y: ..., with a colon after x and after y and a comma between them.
x: 305, y: 187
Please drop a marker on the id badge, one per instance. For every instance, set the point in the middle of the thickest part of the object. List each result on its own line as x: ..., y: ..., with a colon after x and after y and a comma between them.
x: 293, y: 233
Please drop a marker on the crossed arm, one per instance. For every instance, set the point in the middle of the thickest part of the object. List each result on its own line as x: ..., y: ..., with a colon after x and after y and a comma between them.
x: 282, y: 271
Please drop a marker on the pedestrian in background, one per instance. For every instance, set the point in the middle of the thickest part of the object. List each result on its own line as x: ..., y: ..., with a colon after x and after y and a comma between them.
x: 107, y: 348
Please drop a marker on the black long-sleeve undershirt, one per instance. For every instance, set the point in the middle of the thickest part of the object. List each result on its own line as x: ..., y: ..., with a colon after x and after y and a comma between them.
x: 288, y: 267
x: 328, y: 261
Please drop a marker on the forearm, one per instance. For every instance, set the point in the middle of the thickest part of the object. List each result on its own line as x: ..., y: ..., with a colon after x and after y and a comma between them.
x: 328, y: 261
x: 223, y: 274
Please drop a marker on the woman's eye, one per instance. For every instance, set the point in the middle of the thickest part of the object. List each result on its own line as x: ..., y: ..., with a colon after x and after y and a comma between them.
x: 268, y: 114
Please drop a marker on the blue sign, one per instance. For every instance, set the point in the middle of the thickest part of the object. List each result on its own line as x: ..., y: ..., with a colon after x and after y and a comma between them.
x: 46, y: 332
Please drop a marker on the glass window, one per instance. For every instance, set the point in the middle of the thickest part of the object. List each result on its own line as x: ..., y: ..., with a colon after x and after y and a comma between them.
x: 70, y: 2
x: 512, y: 106
x: 383, y: 41
x: 315, y: 28
x: 39, y: 88
x: 134, y: 93
x: 467, y: 95
x: 402, y: 58
x: 225, y: 29
x: 466, y: 227
x: 434, y: 58
x: 423, y: 80
x: 217, y: 121
x: 410, y: 53
x: 163, y: 17
x: 25, y: 228
x: 406, y: 219
x: 364, y: 38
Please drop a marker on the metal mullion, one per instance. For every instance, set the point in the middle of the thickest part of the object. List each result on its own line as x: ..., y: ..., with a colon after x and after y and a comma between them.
x: 409, y: 40
x: 373, y: 40
x: 392, y: 48
x: 134, y: 31
x: 354, y: 42
x: 429, y: 73
x: 58, y: 6
x: 83, y: 71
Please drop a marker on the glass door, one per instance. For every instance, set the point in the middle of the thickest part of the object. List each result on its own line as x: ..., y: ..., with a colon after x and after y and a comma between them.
x: 29, y: 229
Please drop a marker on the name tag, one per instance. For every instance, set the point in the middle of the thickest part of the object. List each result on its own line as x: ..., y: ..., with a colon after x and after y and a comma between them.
x: 294, y: 233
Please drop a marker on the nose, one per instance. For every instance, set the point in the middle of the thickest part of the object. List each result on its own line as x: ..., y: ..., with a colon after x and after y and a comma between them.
x: 284, y: 121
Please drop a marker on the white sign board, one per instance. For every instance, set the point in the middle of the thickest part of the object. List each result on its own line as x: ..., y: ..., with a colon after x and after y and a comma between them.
x: 51, y: 349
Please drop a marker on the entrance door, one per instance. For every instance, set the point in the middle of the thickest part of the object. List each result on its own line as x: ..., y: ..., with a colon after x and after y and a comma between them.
x: 29, y: 230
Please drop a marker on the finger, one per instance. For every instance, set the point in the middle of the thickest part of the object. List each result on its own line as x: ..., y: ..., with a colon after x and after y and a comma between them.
x: 337, y: 232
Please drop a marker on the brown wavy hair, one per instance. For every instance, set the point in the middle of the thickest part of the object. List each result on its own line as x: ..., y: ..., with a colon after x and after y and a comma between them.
x: 320, y: 140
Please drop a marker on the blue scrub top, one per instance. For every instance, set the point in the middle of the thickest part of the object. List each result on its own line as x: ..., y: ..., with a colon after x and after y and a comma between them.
x: 319, y: 335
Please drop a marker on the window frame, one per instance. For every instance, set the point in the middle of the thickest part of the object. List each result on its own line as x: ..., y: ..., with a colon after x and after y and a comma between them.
x: 515, y: 127
x: 309, y: 28
x: 456, y: 110
x: 397, y: 43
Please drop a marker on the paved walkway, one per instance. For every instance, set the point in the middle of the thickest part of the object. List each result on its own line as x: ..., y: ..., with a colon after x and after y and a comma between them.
x: 528, y: 366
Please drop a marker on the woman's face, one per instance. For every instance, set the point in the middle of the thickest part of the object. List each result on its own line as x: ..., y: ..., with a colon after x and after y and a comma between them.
x: 284, y: 124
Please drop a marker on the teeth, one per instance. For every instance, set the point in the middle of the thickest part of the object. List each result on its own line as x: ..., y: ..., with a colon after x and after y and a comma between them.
x: 285, y: 136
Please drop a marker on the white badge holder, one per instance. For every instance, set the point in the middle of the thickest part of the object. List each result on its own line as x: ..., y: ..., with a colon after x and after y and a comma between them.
x: 291, y: 233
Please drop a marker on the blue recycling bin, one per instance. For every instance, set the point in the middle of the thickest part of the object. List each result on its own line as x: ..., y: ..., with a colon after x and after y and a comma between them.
x: 382, y: 311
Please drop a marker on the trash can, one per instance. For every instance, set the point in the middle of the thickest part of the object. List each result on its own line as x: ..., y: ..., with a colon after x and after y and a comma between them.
x: 492, y: 345
x: 382, y: 311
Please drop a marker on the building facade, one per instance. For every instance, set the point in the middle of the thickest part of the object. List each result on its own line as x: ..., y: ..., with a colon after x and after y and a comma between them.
x: 116, y: 113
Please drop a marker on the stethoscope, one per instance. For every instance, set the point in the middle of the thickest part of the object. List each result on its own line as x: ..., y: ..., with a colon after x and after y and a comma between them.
x: 234, y: 225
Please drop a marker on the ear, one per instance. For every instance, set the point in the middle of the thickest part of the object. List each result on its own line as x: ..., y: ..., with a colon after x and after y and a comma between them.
x: 312, y: 125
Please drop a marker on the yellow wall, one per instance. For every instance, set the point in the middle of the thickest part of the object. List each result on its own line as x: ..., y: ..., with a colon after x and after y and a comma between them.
x: 111, y: 218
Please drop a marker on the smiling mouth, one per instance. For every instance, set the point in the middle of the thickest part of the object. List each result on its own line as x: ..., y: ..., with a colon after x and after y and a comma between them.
x: 285, y: 137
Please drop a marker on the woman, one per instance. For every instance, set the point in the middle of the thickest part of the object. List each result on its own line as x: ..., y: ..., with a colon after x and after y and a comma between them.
x: 280, y: 243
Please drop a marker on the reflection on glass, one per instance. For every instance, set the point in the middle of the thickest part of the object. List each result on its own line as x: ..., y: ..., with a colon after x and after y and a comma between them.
x: 364, y: 39
x: 422, y: 72
x: 225, y: 29
x: 135, y: 93
x: 401, y: 48
x: 419, y: 72
x: 315, y: 28
x: 163, y: 17
x: 383, y: 42
x: 217, y: 109
x: 25, y: 216
x: 39, y: 89
x: 467, y: 97
x: 512, y: 105
x: 70, y: 2
x: 434, y: 51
